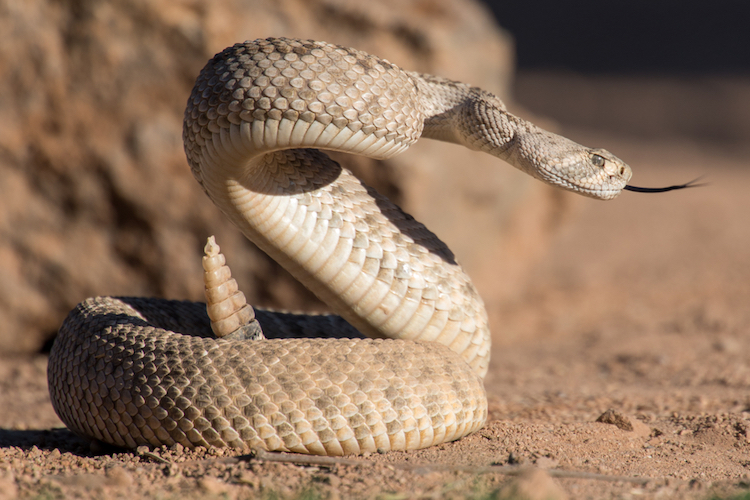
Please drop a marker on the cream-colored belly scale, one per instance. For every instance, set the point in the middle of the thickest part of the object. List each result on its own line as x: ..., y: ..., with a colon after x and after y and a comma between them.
x: 146, y: 371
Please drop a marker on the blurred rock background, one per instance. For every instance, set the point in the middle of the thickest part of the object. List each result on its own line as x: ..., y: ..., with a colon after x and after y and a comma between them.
x: 96, y: 197
x: 95, y: 194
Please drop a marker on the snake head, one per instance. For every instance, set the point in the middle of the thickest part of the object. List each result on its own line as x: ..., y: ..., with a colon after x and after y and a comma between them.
x: 595, y: 173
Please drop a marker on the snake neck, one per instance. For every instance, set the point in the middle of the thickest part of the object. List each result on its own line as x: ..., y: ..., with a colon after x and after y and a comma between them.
x: 469, y: 116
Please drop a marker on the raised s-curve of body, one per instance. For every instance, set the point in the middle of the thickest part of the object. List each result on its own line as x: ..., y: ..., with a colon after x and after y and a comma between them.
x: 144, y: 371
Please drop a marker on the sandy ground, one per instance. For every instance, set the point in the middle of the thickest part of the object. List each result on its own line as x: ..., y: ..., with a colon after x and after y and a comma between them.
x: 641, y: 307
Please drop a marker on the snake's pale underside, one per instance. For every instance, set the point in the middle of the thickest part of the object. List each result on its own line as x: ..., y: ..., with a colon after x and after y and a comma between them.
x: 134, y: 371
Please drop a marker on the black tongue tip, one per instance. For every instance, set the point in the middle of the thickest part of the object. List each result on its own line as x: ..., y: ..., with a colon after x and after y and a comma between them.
x: 690, y: 184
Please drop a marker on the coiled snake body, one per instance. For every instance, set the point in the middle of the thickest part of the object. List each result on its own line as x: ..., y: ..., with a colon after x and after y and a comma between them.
x: 133, y: 371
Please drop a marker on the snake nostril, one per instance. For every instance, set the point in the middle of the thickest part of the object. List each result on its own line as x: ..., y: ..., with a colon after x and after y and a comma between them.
x: 622, y: 170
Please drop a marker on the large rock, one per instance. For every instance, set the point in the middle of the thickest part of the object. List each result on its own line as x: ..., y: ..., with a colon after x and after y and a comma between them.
x: 95, y: 193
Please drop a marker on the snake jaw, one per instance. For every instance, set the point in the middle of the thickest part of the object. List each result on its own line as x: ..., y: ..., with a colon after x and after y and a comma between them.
x: 600, y: 185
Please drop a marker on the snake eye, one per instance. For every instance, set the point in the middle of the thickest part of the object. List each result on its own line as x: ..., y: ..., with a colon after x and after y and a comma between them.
x: 597, y: 160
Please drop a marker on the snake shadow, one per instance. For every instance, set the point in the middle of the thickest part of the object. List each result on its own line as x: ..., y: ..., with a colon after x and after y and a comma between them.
x: 191, y: 319
x: 61, y: 439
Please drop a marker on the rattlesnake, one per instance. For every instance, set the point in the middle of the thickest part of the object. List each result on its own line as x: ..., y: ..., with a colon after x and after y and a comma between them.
x: 133, y: 372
